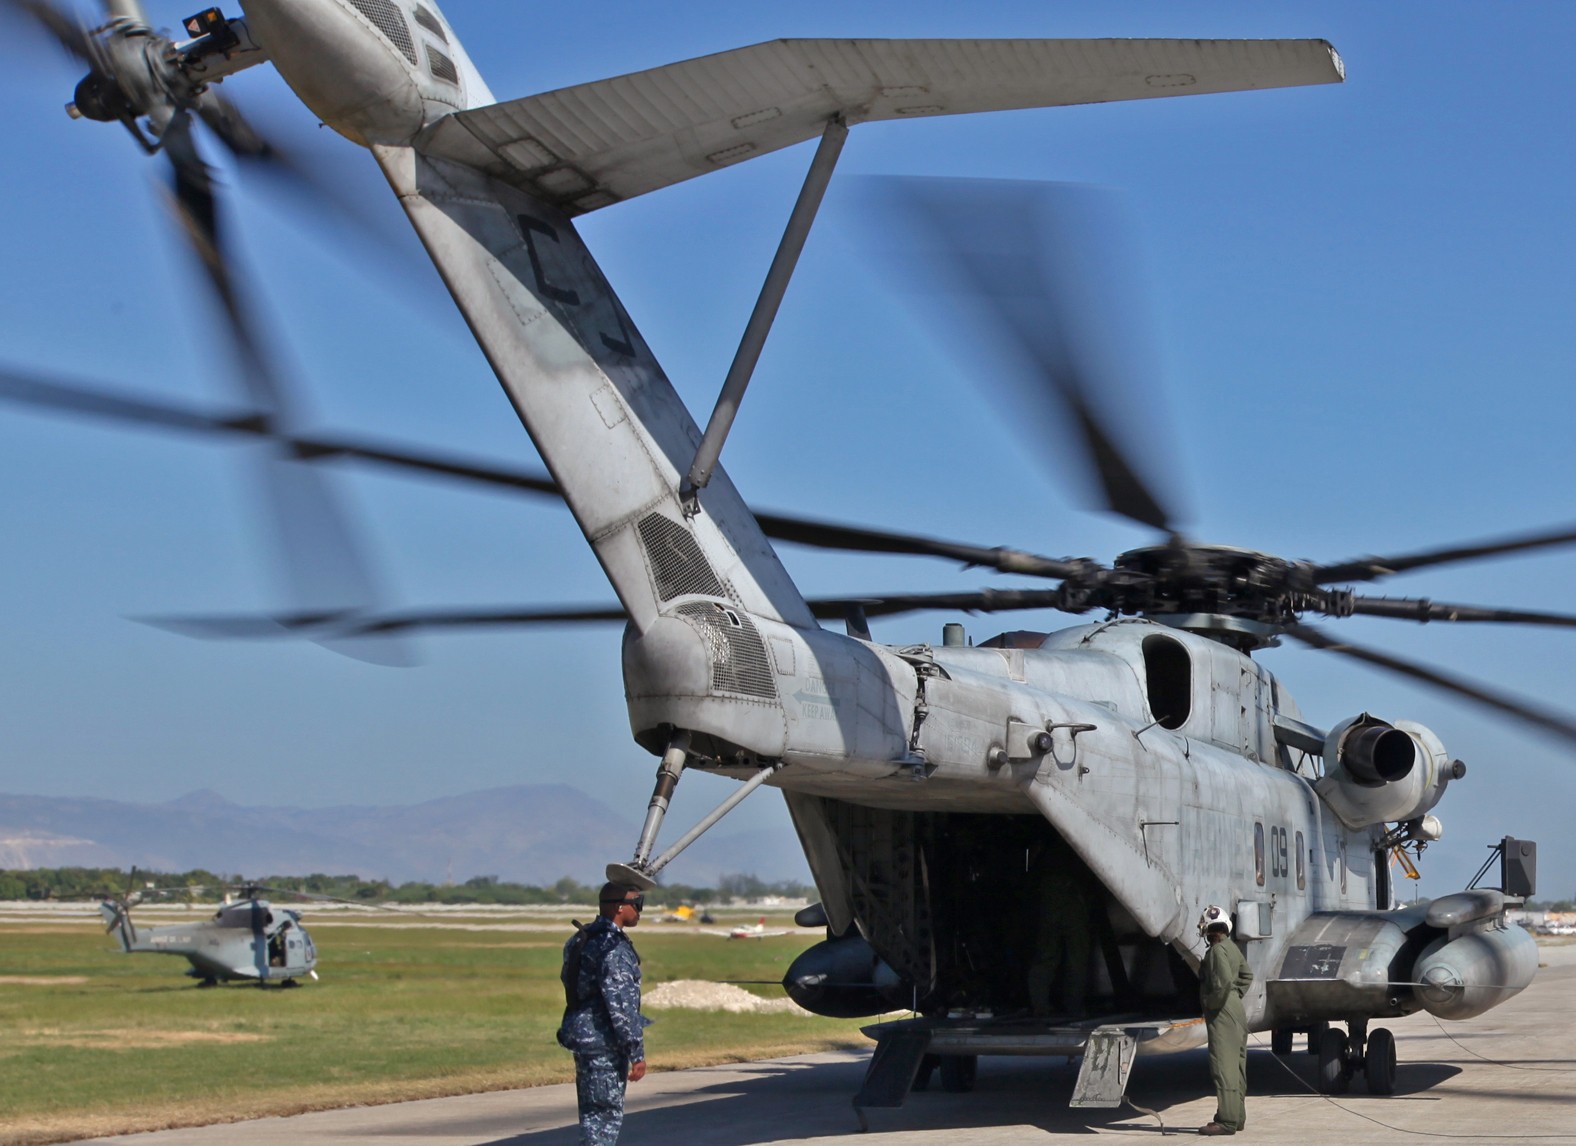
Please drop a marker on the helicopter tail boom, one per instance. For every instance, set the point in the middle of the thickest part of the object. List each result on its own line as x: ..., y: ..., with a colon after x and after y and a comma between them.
x: 609, y: 425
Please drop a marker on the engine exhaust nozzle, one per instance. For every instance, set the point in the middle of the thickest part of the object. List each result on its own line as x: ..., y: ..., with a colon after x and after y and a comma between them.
x: 1376, y: 754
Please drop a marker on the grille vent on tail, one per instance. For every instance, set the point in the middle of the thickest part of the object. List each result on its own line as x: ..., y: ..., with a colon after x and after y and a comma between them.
x: 738, y: 655
x: 427, y: 20
x: 388, y: 19
x: 441, y: 65
x: 677, y: 565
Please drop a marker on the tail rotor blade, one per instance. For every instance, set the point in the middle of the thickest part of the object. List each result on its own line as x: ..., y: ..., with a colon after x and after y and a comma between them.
x: 62, y: 26
x: 322, y: 563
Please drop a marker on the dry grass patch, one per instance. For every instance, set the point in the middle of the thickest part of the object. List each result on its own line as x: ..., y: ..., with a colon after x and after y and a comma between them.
x: 41, y: 980
x: 130, y: 1038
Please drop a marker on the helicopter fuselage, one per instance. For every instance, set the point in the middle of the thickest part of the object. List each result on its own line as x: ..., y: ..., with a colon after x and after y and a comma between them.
x: 1167, y: 771
x: 250, y: 940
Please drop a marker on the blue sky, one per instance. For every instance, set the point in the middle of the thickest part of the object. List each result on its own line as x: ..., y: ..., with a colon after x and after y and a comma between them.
x: 1361, y: 298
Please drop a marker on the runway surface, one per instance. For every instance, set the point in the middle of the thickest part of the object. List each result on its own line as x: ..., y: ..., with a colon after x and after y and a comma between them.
x: 1509, y: 1075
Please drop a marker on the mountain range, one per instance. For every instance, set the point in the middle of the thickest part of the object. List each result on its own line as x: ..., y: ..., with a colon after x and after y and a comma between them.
x: 533, y: 834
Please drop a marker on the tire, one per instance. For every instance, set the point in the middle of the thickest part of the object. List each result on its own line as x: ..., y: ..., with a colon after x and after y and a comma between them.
x: 1315, y: 1034
x: 1333, y: 1078
x: 957, y: 1072
x: 1379, y: 1062
x: 1280, y: 1040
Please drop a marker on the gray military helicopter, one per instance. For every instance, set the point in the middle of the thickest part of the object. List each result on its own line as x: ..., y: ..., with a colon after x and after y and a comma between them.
x: 1144, y: 764
x: 248, y: 939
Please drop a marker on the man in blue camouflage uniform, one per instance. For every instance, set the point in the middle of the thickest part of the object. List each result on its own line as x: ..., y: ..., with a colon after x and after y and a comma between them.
x: 602, y: 1020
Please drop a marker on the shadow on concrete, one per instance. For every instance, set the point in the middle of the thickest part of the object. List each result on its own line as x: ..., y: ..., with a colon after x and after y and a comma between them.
x: 779, y: 1100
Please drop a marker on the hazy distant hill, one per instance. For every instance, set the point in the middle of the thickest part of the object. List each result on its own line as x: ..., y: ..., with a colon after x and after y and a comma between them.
x: 527, y: 833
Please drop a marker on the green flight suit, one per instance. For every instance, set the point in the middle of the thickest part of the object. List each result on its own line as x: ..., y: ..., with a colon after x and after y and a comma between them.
x: 1223, y: 981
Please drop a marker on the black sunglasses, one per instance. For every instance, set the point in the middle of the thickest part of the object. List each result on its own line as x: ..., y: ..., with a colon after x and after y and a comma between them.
x: 638, y: 903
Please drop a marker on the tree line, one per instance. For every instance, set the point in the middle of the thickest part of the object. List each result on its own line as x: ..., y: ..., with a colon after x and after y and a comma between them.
x: 202, y: 886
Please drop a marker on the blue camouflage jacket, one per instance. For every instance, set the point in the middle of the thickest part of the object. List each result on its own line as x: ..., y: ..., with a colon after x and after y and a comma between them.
x: 606, y: 1014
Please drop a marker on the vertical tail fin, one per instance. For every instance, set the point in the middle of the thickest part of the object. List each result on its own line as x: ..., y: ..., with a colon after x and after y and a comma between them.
x: 117, y: 919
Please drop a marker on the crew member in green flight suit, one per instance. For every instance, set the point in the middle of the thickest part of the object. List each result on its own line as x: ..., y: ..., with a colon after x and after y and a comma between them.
x: 1223, y: 980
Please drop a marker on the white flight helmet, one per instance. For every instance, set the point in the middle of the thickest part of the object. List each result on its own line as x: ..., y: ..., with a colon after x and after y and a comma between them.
x: 1214, y: 917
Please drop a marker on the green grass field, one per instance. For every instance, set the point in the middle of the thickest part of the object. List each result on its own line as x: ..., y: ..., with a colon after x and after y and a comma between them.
x: 99, y: 1042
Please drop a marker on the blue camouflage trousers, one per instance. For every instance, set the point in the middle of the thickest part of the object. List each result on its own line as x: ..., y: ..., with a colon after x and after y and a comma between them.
x: 599, y: 1085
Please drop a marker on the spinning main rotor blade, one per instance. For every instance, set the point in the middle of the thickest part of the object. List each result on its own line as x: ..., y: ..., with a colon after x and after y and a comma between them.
x: 71, y: 398
x: 850, y: 538
x: 1371, y: 568
x: 319, y: 626
x: 1422, y: 609
x: 1005, y: 256
x: 1556, y: 723
x: 372, y: 627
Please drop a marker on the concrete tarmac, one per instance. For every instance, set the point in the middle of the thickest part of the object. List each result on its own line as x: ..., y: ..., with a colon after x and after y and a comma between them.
x: 1509, y: 1075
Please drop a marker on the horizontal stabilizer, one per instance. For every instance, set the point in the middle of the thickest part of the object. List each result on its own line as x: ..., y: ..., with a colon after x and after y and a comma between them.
x: 589, y: 145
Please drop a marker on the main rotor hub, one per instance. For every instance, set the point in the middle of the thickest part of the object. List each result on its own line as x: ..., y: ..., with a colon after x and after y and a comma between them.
x: 1239, y: 595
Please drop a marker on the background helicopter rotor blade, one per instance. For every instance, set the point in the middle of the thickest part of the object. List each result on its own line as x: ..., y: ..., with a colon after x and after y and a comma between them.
x: 1371, y: 568
x: 1033, y: 268
x: 252, y: 890
x: 1556, y: 723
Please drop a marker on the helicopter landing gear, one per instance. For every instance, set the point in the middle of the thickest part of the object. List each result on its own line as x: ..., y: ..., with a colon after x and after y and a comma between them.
x: 1316, y: 1034
x: 1343, y: 1056
x: 1334, y: 1076
x: 958, y: 1071
x: 1282, y: 1038
x: 1379, y: 1062
x: 286, y: 983
x: 210, y: 981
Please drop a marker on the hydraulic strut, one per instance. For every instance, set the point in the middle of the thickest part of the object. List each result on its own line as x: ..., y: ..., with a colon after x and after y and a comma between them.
x: 641, y: 870
x: 771, y: 297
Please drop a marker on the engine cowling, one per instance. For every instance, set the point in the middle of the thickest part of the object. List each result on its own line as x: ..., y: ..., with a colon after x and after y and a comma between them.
x: 1376, y: 772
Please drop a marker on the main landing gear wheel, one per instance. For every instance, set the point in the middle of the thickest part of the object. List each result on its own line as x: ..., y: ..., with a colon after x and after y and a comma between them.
x: 1280, y: 1040
x: 210, y: 981
x: 1316, y: 1035
x: 1379, y: 1062
x: 1333, y: 1075
x: 957, y: 1072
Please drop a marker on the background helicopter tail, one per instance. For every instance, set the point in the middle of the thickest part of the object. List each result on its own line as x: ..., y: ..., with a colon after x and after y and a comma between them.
x: 117, y: 921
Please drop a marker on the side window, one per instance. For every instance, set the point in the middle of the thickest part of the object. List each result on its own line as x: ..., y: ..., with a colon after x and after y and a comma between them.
x: 1258, y: 854
x: 1302, y: 864
x: 1168, y: 677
